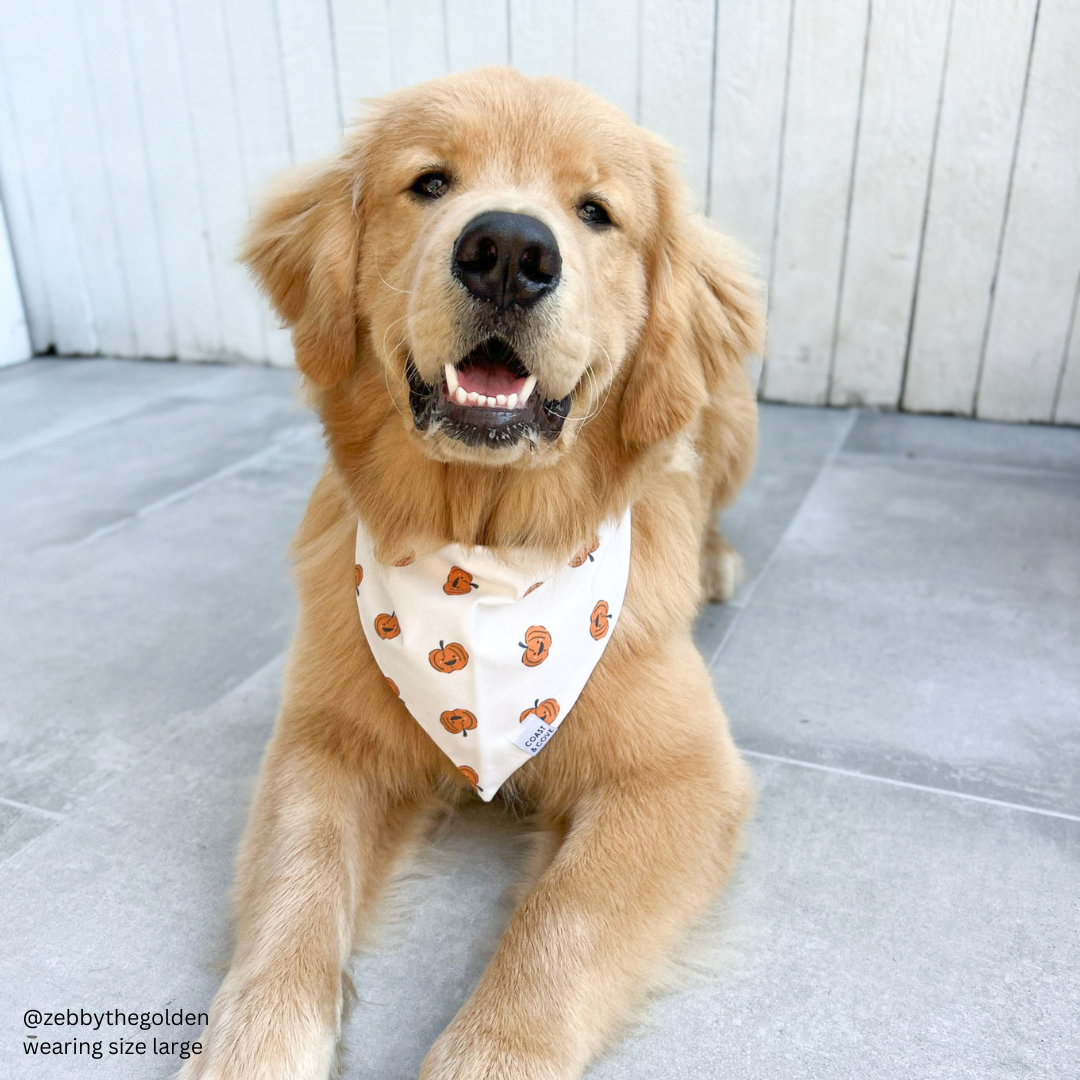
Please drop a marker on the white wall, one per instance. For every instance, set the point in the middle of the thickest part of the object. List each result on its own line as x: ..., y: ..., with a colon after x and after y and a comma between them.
x: 907, y: 172
x: 14, y: 337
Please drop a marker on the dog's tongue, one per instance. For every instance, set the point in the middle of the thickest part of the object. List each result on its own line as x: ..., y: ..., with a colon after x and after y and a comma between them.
x: 489, y: 380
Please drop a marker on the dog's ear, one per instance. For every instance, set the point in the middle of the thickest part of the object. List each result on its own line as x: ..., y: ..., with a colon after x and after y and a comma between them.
x: 302, y: 247
x: 704, y: 314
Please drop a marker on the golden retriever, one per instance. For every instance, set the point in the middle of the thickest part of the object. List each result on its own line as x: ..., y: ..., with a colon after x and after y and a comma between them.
x: 610, y: 326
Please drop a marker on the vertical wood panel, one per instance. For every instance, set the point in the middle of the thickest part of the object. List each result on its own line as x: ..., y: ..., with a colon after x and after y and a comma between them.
x: 34, y: 276
x: 14, y: 336
x: 980, y: 114
x: 607, y: 51
x: 918, y: 224
x: 209, y: 80
x: 752, y: 39
x: 478, y: 33
x: 828, y: 38
x: 21, y: 63
x: 174, y: 173
x: 1040, y: 255
x: 130, y: 195
x: 65, y: 79
x: 677, y: 39
x: 362, y: 52
x: 901, y: 94
x: 417, y: 40
x: 542, y: 37
x: 311, y: 79
x: 262, y: 118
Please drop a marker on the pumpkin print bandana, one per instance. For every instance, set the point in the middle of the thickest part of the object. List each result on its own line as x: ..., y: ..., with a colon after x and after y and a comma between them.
x: 489, y: 655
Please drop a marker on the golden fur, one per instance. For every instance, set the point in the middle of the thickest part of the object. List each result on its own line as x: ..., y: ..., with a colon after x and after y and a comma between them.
x: 642, y: 790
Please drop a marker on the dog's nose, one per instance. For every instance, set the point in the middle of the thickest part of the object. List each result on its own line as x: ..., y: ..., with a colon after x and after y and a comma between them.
x: 507, y: 258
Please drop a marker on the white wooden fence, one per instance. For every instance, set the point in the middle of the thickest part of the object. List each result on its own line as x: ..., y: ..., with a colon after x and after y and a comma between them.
x: 907, y: 172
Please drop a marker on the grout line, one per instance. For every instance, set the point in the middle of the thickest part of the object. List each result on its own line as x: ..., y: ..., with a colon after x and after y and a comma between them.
x: 974, y: 466
x: 282, y: 443
x: 178, y: 728
x: 910, y: 785
x: 1006, y: 210
x: 52, y: 815
x: 747, y: 594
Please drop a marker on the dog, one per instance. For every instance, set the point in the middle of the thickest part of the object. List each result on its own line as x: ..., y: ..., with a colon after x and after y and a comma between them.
x: 492, y: 236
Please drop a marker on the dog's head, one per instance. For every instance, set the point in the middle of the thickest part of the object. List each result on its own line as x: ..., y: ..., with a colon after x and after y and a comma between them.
x: 512, y: 256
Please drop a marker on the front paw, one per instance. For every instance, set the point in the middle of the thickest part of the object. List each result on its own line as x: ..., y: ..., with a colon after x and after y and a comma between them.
x: 254, y: 1039
x: 467, y: 1052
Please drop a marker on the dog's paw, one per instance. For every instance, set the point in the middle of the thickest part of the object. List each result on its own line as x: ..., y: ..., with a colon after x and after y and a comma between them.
x: 722, y: 569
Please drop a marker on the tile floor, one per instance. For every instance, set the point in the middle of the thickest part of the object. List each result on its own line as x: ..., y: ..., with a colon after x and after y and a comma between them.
x: 902, y: 668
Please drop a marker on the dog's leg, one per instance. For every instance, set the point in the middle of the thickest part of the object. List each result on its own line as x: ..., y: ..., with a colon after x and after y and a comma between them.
x: 640, y: 860
x: 319, y: 842
x: 721, y: 566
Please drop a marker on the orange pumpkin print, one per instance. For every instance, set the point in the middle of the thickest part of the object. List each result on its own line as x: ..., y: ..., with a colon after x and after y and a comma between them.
x: 531, y: 588
x: 386, y: 626
x: 405, y: 560
x: 585, y: 553
x: 537, y: 645
x: 393, y: 686
x: 547, y: 710
x: 359, y: 574
x: 469, y: 774
x: 458, y: 722
x: 598, y: 620
x: 458, y: 582
x: 448, y: 658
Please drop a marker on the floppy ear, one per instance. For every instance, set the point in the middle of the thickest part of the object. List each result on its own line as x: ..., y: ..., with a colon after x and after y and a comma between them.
x: 704, y: 315
x: 302, y: 247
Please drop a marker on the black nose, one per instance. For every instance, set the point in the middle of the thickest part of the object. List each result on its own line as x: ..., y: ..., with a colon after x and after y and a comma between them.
x: 507, y: 258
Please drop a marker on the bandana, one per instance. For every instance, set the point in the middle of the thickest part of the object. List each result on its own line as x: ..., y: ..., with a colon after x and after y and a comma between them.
x: 490, y: 653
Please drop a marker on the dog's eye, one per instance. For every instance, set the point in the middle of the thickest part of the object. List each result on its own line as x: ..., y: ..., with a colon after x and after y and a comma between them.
x: 593, y: 213
x: 431, y: 185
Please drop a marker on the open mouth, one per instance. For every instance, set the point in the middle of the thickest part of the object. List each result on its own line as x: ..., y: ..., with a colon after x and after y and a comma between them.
x: 488, y: 397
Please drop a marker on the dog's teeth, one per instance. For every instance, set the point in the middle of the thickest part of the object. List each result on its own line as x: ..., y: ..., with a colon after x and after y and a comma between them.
x: 481, y: 400
x: 511, y: 401
x: 451, y: 380
x: 460, y: 396
x: 501, y: 399
x: 527, y: 389
x: 474, y: 397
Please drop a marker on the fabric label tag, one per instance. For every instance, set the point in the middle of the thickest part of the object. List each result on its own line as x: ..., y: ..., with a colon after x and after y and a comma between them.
x: 533, y: 736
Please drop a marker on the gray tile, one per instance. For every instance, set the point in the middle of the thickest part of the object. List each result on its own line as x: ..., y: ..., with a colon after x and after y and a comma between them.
x: 124, y: 905
x: 18, y: 826
x: 952, y: 438
x: 871, y: 930
x: 33, y: 367
x: 64, y: 491
x: 67, y: 396
x: 106, y: 642
x: 794, y: 444
x: 710, y: 627
x: 880, y: 932
x: 922, y: 622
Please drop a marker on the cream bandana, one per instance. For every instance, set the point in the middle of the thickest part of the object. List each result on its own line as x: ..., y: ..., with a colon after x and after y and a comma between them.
x: 489, y: 656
